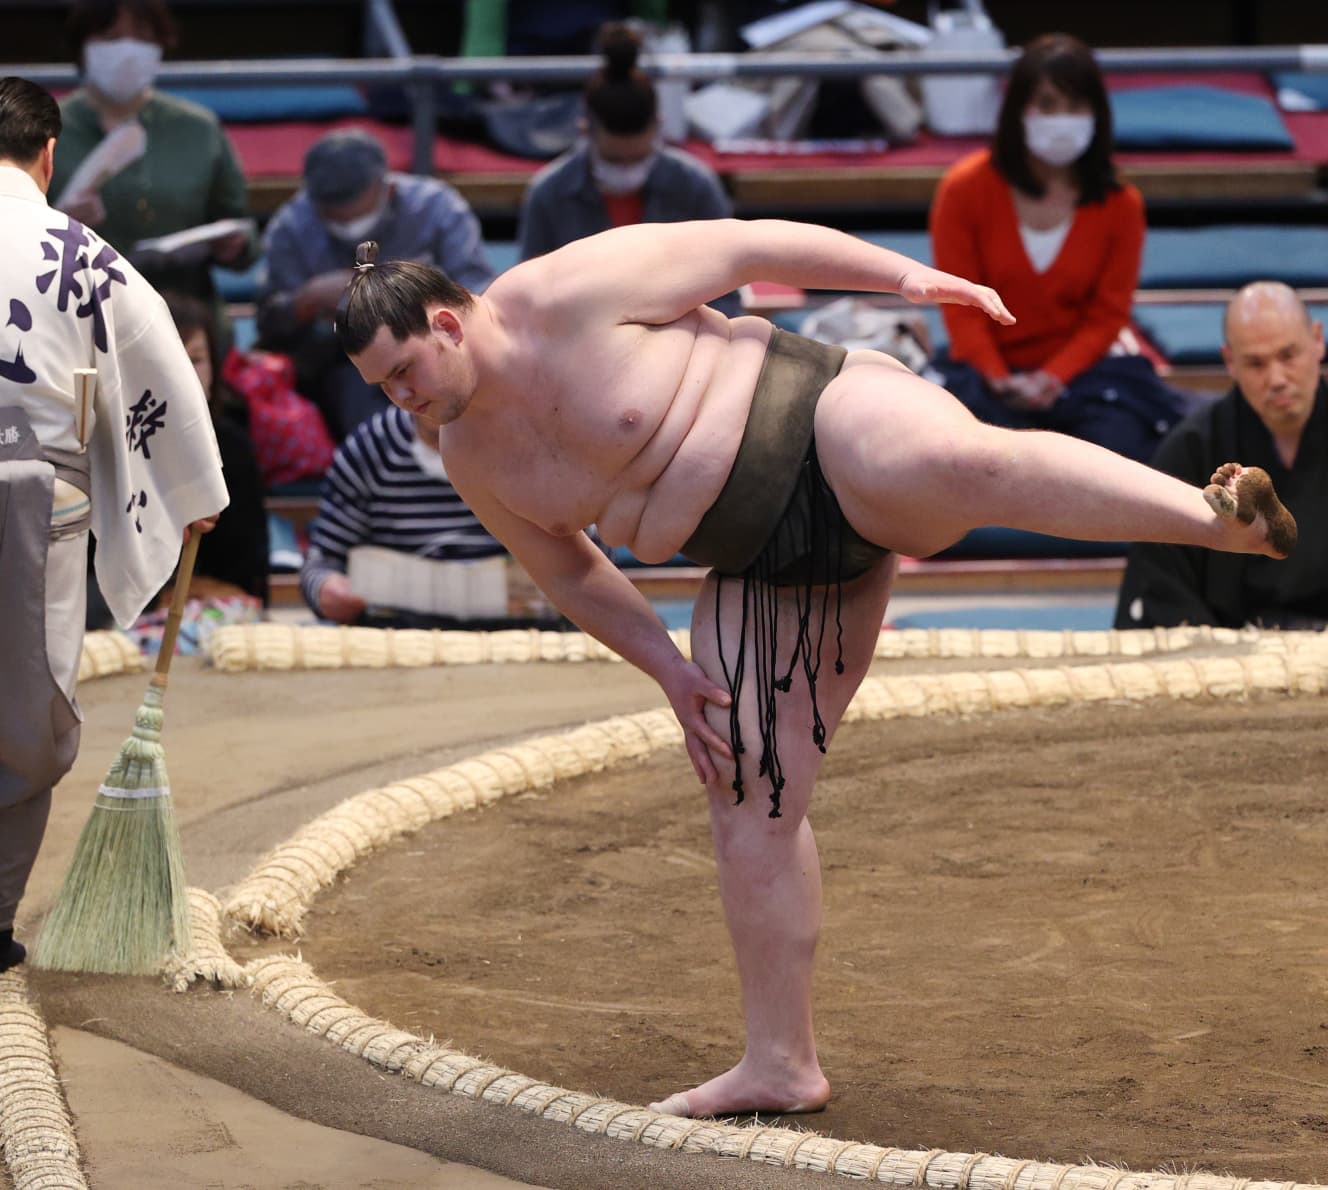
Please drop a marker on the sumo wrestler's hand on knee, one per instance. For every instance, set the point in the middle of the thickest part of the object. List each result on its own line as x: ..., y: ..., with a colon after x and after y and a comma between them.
x: 689, y: 691
x: 924, y: 285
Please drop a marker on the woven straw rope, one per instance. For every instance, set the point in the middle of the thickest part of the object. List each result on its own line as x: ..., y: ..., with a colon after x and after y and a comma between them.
x: 106, y: 653
x: 277, y: 894
x: 36, y: 1135
x: 208, y: 959
x: 292, y: 988
x: 239, y: 648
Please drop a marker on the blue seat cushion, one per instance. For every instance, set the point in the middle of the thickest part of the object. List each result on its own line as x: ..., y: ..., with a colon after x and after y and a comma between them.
x: 284, y: 554
x: 916, y: 244
x: 997, y: 542
x: 263, y: 105
x: 244, y: 333
x: 237, y: 287
x: 1095, y: 616
x: 1310, y: 91
x: 1191, y: 334
x: 1195, y: 117
x: 1228, y: 256
x: 502, y: 254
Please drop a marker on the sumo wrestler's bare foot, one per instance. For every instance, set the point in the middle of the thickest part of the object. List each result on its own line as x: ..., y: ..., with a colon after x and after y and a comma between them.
x: 1245, y: 494
x: 742, y: 1091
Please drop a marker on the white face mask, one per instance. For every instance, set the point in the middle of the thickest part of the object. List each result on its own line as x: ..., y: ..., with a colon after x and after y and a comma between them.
x: 614, y: 178
x: 121, y: 69
x: 1058, y: 140
x: 355, y: 230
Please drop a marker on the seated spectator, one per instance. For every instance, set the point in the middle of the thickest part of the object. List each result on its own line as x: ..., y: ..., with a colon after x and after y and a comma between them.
x: 621, y: 174
x: 1275, y: 417
x: 233, y: 558
x: 1042, y: 218
x: 188, y: 173
x: 349, y: 196
x: 387, y: 487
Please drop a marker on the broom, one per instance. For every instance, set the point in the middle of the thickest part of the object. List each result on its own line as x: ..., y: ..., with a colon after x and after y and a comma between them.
x: 123, y: 906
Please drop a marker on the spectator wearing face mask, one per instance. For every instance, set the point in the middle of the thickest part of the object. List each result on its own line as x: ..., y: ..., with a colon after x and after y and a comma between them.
x: 348, y: 196
x: 621, y: 174
x: 181, y: 172
x: 1042, y: 218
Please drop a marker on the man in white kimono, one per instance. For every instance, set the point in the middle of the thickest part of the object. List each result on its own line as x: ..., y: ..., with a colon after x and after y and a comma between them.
x: 145, y: 468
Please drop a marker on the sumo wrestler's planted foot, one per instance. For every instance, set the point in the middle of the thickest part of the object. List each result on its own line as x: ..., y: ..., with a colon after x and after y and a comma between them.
x: 1246, y: 495
x: 740, y: 1092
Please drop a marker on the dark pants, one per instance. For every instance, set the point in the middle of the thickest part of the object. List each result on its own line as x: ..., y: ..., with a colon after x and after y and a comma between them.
x: 41, y: 610
x: 1120, y: 403
x: 21, y: 827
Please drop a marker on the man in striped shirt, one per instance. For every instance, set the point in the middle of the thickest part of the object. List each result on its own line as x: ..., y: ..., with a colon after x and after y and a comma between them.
x: 386, y: 487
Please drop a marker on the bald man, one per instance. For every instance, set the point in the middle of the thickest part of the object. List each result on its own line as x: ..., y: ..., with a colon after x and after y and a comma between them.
x: 1274, y: 417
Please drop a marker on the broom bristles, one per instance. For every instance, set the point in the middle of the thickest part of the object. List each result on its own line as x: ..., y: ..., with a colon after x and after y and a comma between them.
x: 122, y: 907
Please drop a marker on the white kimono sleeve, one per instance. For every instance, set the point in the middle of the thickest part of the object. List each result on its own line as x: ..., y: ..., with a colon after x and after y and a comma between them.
x: 155, y: 462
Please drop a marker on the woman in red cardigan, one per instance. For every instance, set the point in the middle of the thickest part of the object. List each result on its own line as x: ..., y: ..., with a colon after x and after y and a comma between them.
x: 1042, y: 218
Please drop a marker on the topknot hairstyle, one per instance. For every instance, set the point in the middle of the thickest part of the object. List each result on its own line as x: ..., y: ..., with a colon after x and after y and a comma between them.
x: 394, y: 294
x: 366, y: 255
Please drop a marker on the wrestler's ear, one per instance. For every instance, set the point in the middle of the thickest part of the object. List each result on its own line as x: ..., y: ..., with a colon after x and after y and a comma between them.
x: 48, y: 162
x: 445, y: 322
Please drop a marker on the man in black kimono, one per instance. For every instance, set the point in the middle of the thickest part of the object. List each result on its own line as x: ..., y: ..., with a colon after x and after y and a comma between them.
x: 1275, y: 417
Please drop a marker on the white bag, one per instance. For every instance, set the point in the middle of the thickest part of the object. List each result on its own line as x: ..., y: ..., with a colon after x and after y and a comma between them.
x: 857, y: 323
x: 962, y: 104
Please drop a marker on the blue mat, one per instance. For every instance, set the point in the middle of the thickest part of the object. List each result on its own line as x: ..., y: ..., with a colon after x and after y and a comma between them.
x: 1311, y: 90
x: 1192, y: 334
x: 1221, y: 256
x: 1193, y: 117
x: 283, y: 556
x: 1083, y: 617
x: 1075, y: 617
x: 502, y: 254
x: 994, y: 541
x: 265, y: 105
x: 237, y: 287
x: 244, y: 333
x: 1231, y: 255
x: 916, y: 244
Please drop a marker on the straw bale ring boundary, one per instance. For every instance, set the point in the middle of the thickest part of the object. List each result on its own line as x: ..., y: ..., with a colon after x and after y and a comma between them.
x: 108, y: 653
x: 36, y: 1135
x: 239, y: 648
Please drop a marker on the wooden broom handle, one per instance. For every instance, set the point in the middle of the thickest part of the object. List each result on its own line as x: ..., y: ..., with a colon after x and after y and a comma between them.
x: 183, y: 574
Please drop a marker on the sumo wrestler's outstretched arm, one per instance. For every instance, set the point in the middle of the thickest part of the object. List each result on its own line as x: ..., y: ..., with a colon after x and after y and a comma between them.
x: 657, y: 272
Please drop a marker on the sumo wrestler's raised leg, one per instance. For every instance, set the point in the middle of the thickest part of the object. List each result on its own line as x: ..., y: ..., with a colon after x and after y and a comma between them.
x: 913, y: 470
x: 769, y: 872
